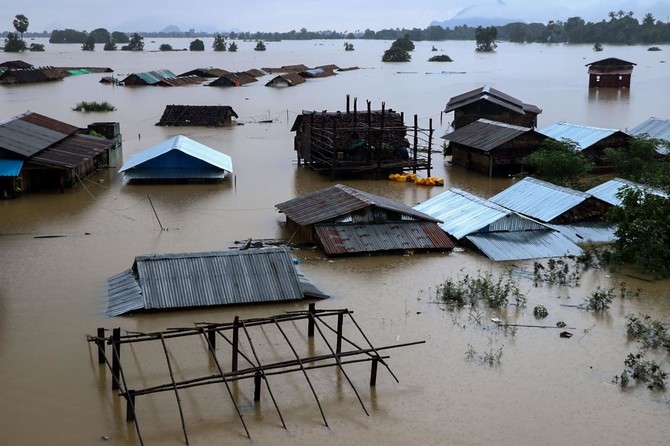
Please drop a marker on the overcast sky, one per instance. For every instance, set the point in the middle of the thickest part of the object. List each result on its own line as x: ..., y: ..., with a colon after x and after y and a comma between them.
x: 315, y: 15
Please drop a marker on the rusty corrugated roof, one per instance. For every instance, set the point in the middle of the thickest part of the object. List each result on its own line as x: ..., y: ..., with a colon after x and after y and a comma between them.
x: 340, y: 239
x: 73, y: 151
x: 338, y: 201
x: 30, y: 133
x: 289, y: 80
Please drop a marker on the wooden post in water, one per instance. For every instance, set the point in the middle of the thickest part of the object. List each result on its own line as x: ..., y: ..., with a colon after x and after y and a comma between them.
x: 236, y: 337
x: 333, y: 148
x: 373, y: 372
x: 130, y: 405
x: 310, y: 320
x: 116, y: 357
x: 430, y: 144
x: 416, y: 141
x: 100, y: 342
x: 257, y: 386
x: 338, y: 346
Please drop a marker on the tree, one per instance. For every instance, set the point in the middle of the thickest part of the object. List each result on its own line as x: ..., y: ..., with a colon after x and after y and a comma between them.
x: 119, y: 37
x: 136, y: 43
x: 21, y: 24
x: 485, y: 38
x: 219, y: 43
x: 597, y: 47
x: 36, y: 47
x: 233, y: 47
x: 197, y: 45
x: 348, y: 46
x: 639, y: 162
x: 101, y: 35
x: 109, y: 46
x: 403, y: 43
x: 14, y: 44
x: 89, y: 45
x: 260, y: 46
x: 165, y: 47
x: 396, y: 54
x: 558, y: 161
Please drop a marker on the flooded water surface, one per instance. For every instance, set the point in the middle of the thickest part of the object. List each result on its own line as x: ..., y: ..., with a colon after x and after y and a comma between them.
x: 58, y: 249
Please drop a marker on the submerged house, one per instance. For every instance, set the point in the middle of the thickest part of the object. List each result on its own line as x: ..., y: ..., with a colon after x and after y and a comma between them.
x: 41, y: 153
x: 655, y: 128
x: 610, y: 73
x: 491, y: 147
x: 371, y: 142
x: 346, y: 221
x: 204, y: 279
x: 608, y: 191
x: 11, y: 76
x: 178, y: 159
x: 165, y: 78
x: 197, y: 115
x: 285, y: 80
x: 233, y: 80
x: 591, y: 141
x: 578, y: 215
x: 499, y: 233
x: 206, y: 72
x: 489, y: 103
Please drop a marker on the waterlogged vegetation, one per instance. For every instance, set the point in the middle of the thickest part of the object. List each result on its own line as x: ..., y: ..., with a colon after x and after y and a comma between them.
x: 484, y: 288
x: 94, y: 106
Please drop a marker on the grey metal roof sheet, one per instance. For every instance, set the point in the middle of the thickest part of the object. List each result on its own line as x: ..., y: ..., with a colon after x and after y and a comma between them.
x: 609, y: 189
x: 539, y: 199
x: 491, y: 95
x: 30, y: 133
x: 584, y: 136
x: 588, y: 232
x: 205, y: 279
x: 73, y: 151
x: 339, y: 239
x: 521, y: 245
x: 463, y: 213
x: 152, y: 77
x: 656, y: 128
x: 485, y: 134
x: 340, y: 200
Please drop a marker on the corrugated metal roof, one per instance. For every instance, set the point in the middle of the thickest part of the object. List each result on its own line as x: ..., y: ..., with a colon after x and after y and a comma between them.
x: 233, y: 80
x: 539, y: 199
x: 609, y: 189
x: 340, y: 200
x: 656, y: 128
x: 463, y: 213
x: 73, y: 151
x: 10, y: 168
x: 491, y: 95
x: 166, y: 281
x: 339, y: 239
x: 485, y: 134
x: 584, y: 136
x: 287, y: 80
x: 588, y: 232
x: 133, y: 167
x: 31, y: 132
x: 610, y: 62
x: 521, y: 245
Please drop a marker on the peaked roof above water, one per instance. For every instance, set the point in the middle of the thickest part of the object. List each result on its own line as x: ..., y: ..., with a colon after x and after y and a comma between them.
x: 609, y: 189
x: 178, y: 158
x: 30, y: 133
x: 610, y: 62
x: 657, y: 128
x: 492, y: 95
x: 168, y: 281
x: 339, y: 200
x: 584, y: 136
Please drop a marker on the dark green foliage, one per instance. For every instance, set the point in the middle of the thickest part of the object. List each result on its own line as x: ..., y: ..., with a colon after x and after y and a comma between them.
x: 403, y: 43
x: 219, y: 43
x: 197, y: 45
x: 67, y: 36
x: 643, y: 371
x: 109, y: 46
x: 20, y: 24
x: 94, y: 106
x: 597, y: 47
x: 36, y: 47
x: 119, y: 37
x: 100, y: 35
x: 440, y: 58
x: 260, y: 46
x: 496, y: 293
x: 396, y: 54
x: 165, y: 47
x: 136, y: 43
x: 233, y: 47
x: 643, y: 231
x: 599, y: 299
x: 558, y: 161
x: 486, y: 38
x: 348, y: 46
x: 540, y: 312
x: 89, y: 45
x: 14, y: 44
x: 640, y: 162
x: 648, y: 332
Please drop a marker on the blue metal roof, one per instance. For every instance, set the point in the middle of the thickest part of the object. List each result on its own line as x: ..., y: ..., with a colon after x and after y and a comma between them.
x: 166, y: 281
x: 539, y: 199
x: 521, y: 245
x: 584, y: 136
x: 609, y: 189
x: 463, y: 213
x: 10, y: 168
x: 656, y: 128
x: 180, y: 157
x: 154, y: 77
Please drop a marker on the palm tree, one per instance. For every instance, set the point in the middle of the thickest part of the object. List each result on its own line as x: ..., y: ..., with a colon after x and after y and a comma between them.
x: 21, y: 24
x: 219, y: 43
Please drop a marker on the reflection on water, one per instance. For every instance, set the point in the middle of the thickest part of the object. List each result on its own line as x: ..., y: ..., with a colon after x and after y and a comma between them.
x: 51, y: 289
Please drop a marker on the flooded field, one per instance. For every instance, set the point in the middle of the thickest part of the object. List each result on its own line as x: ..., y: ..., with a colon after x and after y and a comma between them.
x: 57, y: 250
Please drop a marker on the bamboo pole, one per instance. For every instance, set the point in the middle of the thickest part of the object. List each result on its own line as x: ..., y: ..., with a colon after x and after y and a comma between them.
x: 176, y: 392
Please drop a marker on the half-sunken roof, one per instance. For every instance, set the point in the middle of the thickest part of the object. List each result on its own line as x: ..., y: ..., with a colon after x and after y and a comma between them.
x: 494, y: 96
x: 656, y: 128
x: 608, y: 190
x: 485, y: 134
x: 583, y: 135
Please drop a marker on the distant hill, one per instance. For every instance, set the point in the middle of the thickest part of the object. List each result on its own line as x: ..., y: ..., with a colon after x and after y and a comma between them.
x: 473, y: 22
x: 171, y: 29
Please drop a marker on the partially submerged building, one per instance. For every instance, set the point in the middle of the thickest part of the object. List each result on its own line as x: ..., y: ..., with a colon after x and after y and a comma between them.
x: 371, y: 142
x: 591, y: 141
x: 491, y: 147
x: 498, y: 232
x: 205, y: 279
x: 164, y: 78
x: 206, y: 72
x: 11, y: 76
x: 488, y: 103
x: 178, y: 159
x: 286, y: 80
x: 233, y: 80
x: 41, y: 153
x: 609, y: 190
x: 197, y: 115
x: 346, y: 221
x: 610, y: 73
x: 655, y: 128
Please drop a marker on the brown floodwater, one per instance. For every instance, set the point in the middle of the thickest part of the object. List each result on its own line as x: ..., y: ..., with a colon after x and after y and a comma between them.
x: 544, y: 390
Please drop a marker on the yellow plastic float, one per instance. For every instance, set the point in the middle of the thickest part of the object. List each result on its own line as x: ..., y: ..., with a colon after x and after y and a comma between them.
x: 413, y: 178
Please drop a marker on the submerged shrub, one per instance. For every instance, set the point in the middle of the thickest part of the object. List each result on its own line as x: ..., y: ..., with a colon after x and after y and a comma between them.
x: 644, y: 371
x: 494, y: 292
x: 93, y: 106
x: 540, y: 312
x: 599, y: 300
x: 649, y: 332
